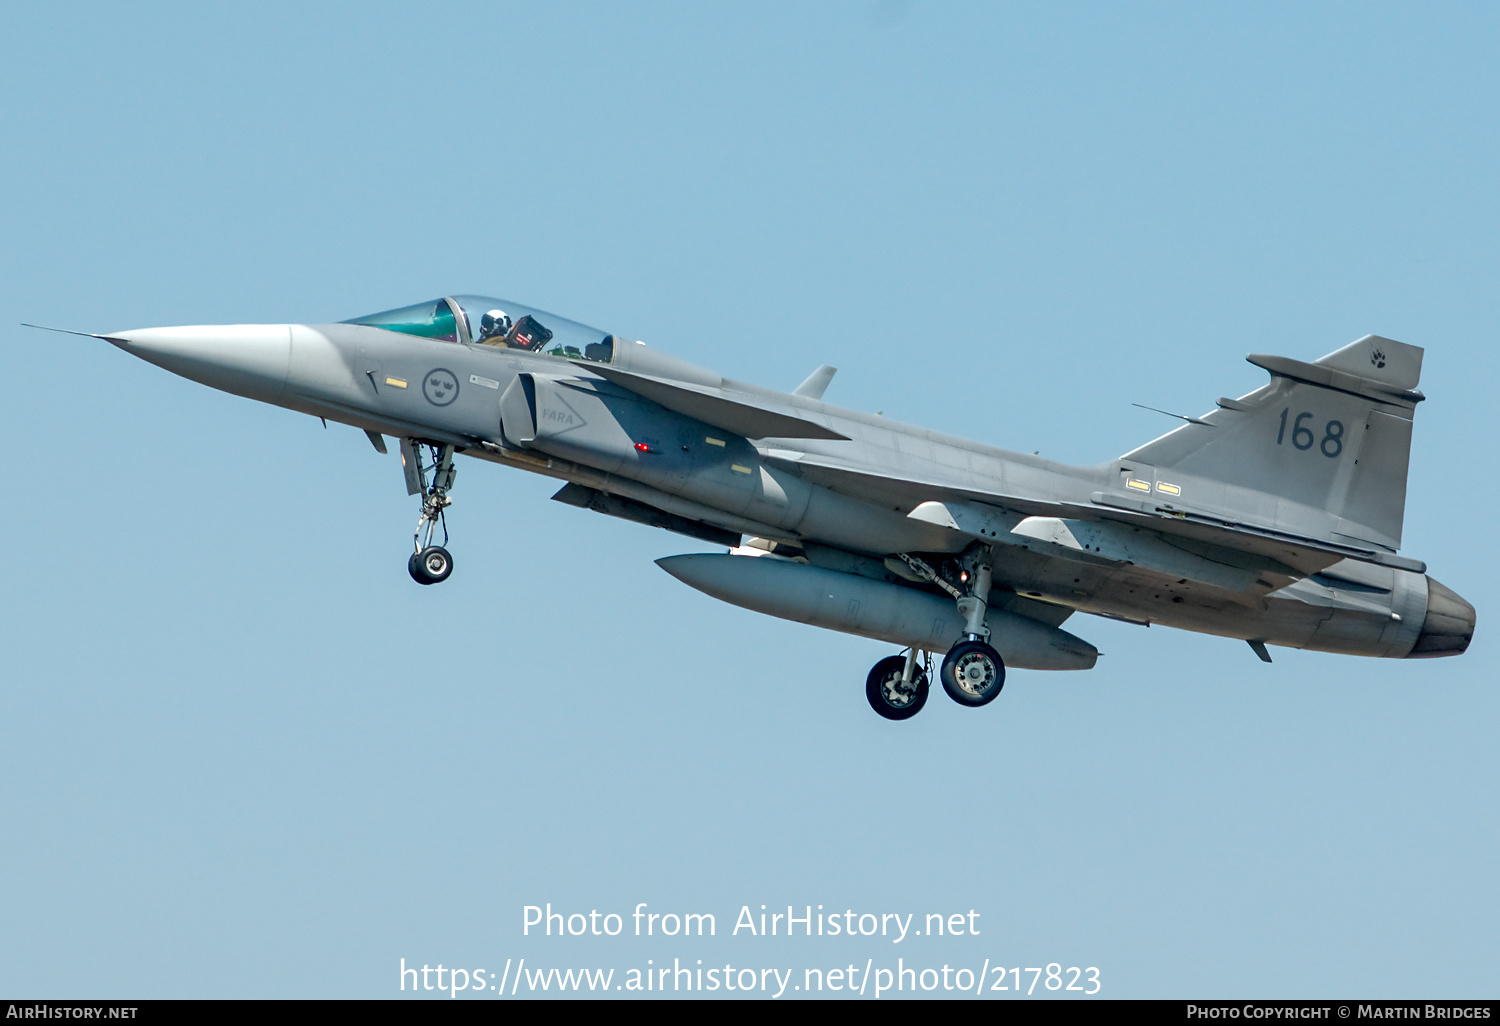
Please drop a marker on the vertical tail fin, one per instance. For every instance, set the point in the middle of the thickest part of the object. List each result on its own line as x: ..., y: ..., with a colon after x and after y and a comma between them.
x: 1321, y: 451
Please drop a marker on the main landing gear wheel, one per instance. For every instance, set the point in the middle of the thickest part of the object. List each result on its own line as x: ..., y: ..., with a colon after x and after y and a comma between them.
x: 889, y: 696
x: 972, y: 673
x: 431, y: 565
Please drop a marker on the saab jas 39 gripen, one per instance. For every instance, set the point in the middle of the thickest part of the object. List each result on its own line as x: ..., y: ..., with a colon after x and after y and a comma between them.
x: 1274, y: 518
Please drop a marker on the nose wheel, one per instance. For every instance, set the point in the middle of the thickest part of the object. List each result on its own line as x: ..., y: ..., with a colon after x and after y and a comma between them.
x: 431, y: 562
x: 431, y: 565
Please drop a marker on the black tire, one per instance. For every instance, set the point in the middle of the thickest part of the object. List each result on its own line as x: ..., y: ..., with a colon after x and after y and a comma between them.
x: 431, y: 566
x: 884, y: 696
x: 414, y: 568
x: 972, y: 673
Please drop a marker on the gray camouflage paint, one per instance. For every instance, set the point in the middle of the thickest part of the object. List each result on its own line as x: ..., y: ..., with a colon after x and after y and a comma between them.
x: 1274, y: 518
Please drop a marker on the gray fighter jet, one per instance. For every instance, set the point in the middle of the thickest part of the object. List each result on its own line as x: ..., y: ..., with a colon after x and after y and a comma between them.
x: 1275, y: 518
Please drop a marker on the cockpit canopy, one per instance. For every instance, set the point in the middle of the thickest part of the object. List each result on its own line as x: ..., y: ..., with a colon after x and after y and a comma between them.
x: 485, y: 321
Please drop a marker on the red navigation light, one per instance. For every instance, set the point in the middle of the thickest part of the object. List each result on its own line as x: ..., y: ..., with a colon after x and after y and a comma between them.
x: 642, y: 447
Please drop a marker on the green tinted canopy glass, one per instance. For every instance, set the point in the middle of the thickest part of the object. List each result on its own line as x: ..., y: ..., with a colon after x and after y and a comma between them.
x: 433, y: 319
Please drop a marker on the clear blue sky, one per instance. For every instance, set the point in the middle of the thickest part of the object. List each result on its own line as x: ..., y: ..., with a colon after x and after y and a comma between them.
x: 243, y: 755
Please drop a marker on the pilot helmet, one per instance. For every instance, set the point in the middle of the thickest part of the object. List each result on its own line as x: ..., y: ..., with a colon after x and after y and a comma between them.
x: 494, y: 322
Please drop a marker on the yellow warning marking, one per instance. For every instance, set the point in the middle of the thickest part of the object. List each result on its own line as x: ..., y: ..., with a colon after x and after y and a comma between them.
x: 1140, y: 486
x: 739, y: 469
x: 395, y: 381
x: 715, y: 441
x: 1170, y: 489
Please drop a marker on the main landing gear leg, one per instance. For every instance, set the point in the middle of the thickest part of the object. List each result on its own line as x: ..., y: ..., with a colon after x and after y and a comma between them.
x: 972, y: 671
x: 430, y: 563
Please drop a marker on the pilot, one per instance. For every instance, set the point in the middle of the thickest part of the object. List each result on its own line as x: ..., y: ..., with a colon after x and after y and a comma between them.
x: 493, y: 326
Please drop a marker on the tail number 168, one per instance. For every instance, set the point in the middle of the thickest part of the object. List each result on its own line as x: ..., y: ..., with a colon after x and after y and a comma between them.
x: 1303, y: 438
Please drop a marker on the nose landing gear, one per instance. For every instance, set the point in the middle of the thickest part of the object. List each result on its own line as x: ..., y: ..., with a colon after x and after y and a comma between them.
x: 429, y: 563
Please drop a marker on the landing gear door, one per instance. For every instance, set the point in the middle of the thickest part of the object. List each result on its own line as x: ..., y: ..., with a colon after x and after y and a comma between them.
x: 411, y: 466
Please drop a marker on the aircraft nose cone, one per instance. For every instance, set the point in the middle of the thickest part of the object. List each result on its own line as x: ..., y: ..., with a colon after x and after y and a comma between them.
x: 247, y: 359
x: 1449, y: 626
